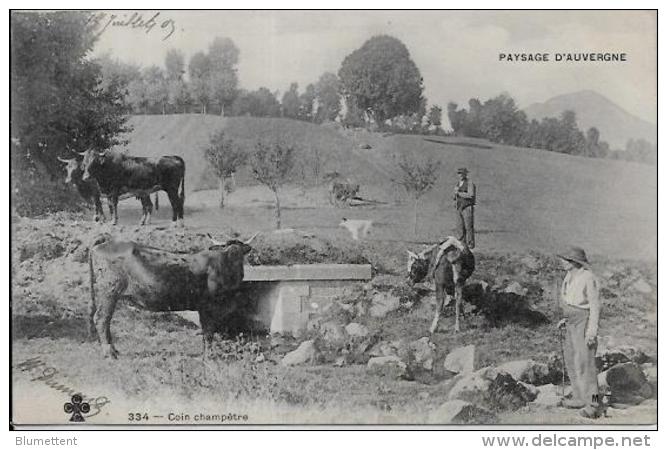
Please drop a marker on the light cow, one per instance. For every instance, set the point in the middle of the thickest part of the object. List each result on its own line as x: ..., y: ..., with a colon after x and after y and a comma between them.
x: 449, y: 264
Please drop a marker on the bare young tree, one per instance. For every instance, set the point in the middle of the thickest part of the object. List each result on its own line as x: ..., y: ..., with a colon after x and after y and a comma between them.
x: 417, y: 176
x: 272, y: 164
x: 225, y: 157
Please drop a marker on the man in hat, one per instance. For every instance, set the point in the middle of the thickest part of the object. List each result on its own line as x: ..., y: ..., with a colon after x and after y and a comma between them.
x: 465, y: 194
x: 580, y: 303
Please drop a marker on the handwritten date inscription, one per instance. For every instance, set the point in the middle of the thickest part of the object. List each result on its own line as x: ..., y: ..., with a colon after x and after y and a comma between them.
x: 134, y: 20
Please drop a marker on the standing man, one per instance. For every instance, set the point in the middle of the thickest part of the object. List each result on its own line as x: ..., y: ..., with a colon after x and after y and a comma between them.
x: 465, y: 194
x: 580, y: 303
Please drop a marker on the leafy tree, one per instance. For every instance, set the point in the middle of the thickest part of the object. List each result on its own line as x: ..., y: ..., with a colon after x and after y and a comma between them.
x: 272, y: 164
x: 199, y: 71
x: 174, y: 63
x: 290, y: 103
x: 381, y: 79
x: 307, y: 106
x: 225, y: 158
x: 156, y: 89
x: 435, y: 117
x: 417, y: 176
x: 58, y: 99
x: 223, y: 56
x: 327, y: 91
x: 177, y: 90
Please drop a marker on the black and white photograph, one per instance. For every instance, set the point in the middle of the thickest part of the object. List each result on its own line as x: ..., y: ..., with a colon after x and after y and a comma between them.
x: 441, y: 219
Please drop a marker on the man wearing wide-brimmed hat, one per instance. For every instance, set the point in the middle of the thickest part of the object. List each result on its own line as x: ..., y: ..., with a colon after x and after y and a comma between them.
x: 580, y: 303
x: 465, y: 196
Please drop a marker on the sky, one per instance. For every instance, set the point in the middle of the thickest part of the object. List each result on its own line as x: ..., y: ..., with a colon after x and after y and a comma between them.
x: 457, y: 52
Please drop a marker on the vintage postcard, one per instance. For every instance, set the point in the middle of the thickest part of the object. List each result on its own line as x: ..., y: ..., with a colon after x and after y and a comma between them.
x: 333, y: 218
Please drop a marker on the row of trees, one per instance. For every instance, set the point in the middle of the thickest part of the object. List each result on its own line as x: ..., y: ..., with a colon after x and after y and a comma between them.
x: 500, y: 120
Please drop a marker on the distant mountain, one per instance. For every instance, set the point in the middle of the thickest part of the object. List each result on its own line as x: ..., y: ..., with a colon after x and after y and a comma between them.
x: 616, y: 125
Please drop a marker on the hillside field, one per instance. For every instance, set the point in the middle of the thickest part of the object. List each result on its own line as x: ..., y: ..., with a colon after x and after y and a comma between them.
x: 530, y: 204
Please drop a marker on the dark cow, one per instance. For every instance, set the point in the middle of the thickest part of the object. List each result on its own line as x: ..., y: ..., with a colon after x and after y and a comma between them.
x: 90, y: 191
x: 450, y: 264
x: 342, y: 192
x: 160, y: 281
x: 119, y: 174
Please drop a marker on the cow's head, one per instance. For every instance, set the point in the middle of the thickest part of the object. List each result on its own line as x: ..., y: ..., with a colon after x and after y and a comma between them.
x: 91, y: 161
x: 418, y: 264
x: 223, y: 265
x: 73, y: 169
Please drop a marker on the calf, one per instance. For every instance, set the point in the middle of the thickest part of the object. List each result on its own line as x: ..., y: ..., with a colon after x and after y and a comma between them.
x: 449, y: 264
x: 158, y: 280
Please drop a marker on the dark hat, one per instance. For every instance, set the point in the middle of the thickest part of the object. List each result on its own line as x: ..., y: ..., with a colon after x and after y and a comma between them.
x: 576, y: 254
x: 462, y: 170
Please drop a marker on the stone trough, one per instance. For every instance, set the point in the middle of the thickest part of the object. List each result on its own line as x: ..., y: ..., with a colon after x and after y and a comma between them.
x: 286, y: 297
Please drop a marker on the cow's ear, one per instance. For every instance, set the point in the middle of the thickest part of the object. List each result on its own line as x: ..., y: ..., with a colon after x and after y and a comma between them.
x: 199, y: 264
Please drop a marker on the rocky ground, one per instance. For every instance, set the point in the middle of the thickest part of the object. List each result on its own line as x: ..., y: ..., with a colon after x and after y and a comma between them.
x: 504, y: 367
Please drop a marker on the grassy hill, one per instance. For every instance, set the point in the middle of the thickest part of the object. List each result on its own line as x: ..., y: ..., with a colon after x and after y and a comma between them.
x: 527, y: 198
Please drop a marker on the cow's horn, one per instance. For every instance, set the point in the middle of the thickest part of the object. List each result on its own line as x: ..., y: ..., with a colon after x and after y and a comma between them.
x: 215, y: 241
x: 62, y: 159
x: 412, y: 254
x: 251, y: 238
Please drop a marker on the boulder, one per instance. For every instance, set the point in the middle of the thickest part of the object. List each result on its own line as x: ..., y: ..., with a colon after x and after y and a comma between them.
x: 356, y: 330
x: 383, y: 303
x: 530, y: 388
x: 382, y: 348
x: 305, y: 353
x: 461, y: 359
x: 390, y: 366
x: 527, y: 371
x: 332, y: 332
x: 461, y: 412
x: 548, y: 395
x: 531, y: 263
x: 515, y: 288
x: 505, y: 393
x: 627, y: 382
x: 365, y: 146
x: 469, y: 386
x: 423, y: 351
x: 642, y: 286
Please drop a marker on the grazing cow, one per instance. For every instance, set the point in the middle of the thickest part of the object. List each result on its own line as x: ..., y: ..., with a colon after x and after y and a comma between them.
x: 450, y: 264
x: 358, y: 228
x: 160, y: 281
x: 90, y: 191
x: 342, y: 192
x: 119, y: 174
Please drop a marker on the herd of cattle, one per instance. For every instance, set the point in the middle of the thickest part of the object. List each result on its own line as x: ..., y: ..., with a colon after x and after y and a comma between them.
x: 206, y: 282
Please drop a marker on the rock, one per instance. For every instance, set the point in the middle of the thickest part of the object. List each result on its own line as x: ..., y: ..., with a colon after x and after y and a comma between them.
x: 461, y: 412
x: 505, y: 393
x: 365, y: 146
x: 515, y: 288
x: 332, y: 332
x: 382, y: 348
x: 356, y: 330
x: 548, y: 395
x: 390, y: 366
x: 383, y: 303
x: 469, y: 386
x: 305, y: 353
x: 528, y: 371
x: 340, y: 361
x: 642, y: 286
x: 530, y: 388
x: 461, y: 359
x: 627, y: 383
x: 423, y: 351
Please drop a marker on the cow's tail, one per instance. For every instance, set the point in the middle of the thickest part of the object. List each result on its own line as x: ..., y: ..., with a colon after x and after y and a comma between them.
x: 182, y: 194
x: 157, y: 202
x: 92, y: 331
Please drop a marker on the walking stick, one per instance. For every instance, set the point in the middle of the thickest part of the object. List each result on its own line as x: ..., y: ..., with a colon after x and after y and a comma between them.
x: 560, y: 336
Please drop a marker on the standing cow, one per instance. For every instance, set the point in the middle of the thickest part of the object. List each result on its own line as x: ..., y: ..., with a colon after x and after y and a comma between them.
x: 450, y: 264
x: 119, y: 174
x: 90, y: 191
x: 160, y: 281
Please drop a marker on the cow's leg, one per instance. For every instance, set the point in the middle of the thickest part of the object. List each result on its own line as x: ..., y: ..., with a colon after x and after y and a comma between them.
x: 147, y: 208
x: 99, y: 211
x: 458, y: 292
x: 439, y: 302
x: 92, y: 331
x: 208, y: 329
x: 175, y: 205
x: 114, y: 202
